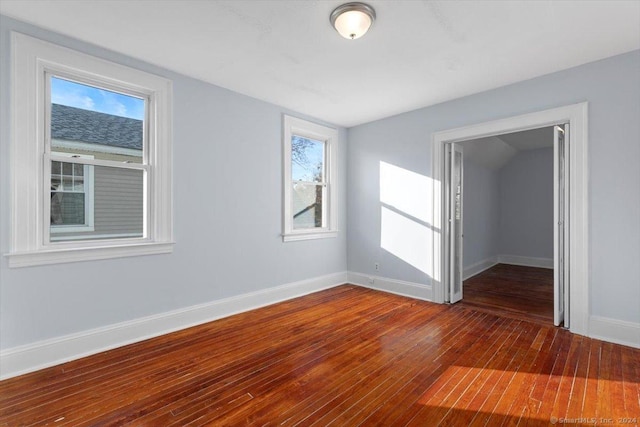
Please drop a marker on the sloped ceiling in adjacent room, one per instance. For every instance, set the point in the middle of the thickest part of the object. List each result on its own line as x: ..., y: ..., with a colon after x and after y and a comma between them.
x: 495, y: 151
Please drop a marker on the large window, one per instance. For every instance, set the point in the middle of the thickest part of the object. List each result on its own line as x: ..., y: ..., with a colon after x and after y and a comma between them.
x: 309, y: 194
x: 91, y: 159
x: 100, y: 135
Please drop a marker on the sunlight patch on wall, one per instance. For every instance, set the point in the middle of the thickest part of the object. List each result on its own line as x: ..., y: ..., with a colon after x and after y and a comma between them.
x: 407, y: 228
x: 407, y: 239
x: 407, y: 191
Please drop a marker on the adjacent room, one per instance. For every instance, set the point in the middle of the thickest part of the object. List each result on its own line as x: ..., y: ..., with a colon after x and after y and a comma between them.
x: 265, y: 212
x: 508, y: 223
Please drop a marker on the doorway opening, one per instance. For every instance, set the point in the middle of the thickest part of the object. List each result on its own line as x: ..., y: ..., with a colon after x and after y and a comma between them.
x: 571, y: 242
x: 508, y: 223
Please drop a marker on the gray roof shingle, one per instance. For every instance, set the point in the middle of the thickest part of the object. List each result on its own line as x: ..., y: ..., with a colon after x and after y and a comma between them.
x: 76, y: 124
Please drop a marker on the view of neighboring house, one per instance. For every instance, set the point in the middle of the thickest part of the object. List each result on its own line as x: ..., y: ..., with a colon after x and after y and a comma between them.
x: 308, y: 173
x: 307, y: 205
x: 95, y: 201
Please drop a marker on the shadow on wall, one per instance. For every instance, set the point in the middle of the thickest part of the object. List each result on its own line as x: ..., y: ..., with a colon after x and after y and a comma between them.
x: 408, y: 229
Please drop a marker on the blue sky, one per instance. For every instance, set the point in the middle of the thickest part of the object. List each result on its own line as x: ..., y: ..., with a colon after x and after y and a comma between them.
x: 313, y: 152
x: 77, y: 95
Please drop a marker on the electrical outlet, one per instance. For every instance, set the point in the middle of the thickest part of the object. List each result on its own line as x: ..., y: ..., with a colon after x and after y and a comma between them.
x: 371, y: 280
x: 377, y: 266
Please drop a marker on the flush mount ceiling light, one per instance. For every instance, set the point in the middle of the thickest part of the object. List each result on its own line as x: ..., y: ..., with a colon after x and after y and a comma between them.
x: 352, y: 20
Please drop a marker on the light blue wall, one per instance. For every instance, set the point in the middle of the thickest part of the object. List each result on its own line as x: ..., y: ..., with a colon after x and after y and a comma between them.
x: 612, y: 88
x: 509, y: 211
x: 227, y: 167
x: 526, y: 205
x: 481, y: 213
x: 227, y: 218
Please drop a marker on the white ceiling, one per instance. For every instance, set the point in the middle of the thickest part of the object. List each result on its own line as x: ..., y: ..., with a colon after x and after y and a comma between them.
x: 418, y: 53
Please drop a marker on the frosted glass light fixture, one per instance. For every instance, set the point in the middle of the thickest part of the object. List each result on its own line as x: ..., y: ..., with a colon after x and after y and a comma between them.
x: 352, y: 20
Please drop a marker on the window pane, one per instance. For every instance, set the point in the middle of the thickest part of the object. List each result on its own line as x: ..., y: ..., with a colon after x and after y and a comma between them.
x: 115, y: 207
x: 67, y: 208
x: 78, y: 169
x: 97, y: 122
x: 67, y: 183
x: 307, y: 200
x: 55, y: 168
x: 67, y: 169
x: 78, y: 184
x: 307, y: 159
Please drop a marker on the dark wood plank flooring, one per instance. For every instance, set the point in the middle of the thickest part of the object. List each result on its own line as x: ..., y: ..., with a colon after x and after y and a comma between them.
x: 514, y: 291
x: 347, y: 356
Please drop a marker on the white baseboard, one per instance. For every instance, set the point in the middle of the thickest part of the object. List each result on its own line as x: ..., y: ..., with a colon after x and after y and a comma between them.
x: 399, y: 287
x: 526, y: 261
x: 21, y: 360
x: 479, y: 267
x: 486, y: 264
x: 32, y: 357
x: 615, y: 331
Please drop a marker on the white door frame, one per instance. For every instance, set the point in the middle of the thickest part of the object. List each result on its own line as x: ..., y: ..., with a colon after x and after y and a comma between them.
x: 560, y: 218
x: 578, y: 232
x: 456, y: 231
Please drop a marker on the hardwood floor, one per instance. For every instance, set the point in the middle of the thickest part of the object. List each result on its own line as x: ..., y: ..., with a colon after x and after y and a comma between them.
x: 347, y: 356
x: 514, y: 291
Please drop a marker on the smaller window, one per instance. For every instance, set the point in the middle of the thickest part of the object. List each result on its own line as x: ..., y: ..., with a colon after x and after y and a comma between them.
x: 71, y: 197
x: 309, y: 180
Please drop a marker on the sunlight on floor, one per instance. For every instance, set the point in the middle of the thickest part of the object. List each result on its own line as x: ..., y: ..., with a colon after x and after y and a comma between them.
x: 459, y: 388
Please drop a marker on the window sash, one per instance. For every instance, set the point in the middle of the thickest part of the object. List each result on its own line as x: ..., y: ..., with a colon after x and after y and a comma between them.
x: 94, y: 162
x: 50, y: 229
x: 77, y: 76
x: 325, y: 196
x: 323, y: 207
x: 323, y: 142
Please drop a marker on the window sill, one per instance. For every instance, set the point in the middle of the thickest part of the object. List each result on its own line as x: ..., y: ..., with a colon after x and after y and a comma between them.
x: 58, y: 256
x: 309, y: 235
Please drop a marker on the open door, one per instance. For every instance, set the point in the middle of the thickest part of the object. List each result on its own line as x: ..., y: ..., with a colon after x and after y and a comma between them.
x: 455, y: 200
x: 560, y: 217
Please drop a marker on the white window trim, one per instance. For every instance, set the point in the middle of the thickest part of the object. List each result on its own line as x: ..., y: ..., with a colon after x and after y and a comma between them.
x: 31, y: 59
x: 295, y: 126
x: 89, y: 187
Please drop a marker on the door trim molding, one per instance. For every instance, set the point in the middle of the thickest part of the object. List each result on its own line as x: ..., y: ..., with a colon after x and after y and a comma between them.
x: 577, y: 116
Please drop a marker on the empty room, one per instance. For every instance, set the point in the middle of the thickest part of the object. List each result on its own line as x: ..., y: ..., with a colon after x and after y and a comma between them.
x: 508, y: 204
x: 281, y: 212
